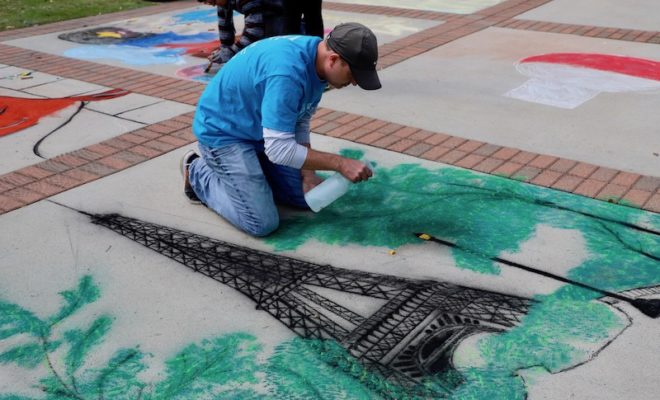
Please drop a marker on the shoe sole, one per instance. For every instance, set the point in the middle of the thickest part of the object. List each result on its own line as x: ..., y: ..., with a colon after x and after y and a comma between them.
x: 183, y: 165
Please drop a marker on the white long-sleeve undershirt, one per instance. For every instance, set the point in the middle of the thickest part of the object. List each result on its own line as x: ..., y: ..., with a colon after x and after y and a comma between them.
x: 285, y: 148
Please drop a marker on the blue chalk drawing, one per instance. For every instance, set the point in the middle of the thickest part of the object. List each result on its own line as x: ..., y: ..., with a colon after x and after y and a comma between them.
x: 141, y: 51
x: 130, y: 55
x: 170, y: 38
x: 205, y: 15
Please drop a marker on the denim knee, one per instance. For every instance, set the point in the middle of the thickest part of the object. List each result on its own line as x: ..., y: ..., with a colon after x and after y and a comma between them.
x: 264, y: 226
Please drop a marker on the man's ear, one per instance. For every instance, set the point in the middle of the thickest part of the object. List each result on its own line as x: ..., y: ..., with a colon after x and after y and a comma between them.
x: 333, y: 57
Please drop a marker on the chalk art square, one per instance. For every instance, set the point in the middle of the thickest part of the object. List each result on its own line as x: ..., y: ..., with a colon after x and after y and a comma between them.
x: 551, y: 93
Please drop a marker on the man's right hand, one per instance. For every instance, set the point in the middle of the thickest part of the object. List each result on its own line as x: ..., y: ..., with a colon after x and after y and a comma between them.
x: 354, y: 170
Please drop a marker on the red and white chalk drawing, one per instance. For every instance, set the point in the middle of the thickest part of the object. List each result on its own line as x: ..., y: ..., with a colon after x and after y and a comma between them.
x: 18, y: 113
x: 567, y: 80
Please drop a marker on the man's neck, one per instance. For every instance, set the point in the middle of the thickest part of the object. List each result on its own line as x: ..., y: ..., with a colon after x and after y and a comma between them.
x: 321, y: 53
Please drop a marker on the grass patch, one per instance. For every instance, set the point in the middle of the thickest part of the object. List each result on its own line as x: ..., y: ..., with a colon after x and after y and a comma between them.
x: 22, y: 13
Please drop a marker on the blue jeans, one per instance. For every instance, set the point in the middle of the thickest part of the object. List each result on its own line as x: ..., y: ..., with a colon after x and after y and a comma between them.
x: 239, y: 182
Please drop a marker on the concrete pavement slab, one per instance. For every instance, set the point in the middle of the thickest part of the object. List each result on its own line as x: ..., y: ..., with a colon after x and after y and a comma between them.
x: 10, y: 78
x: 459, y: 89
x: 113, y: 286
x: 386, y: 28
x: 63, y: 88
x: 136, y: 297
x: 84, y: 129
x: 152, y: 113
x: 17, y: 93
x: 458, y: 7
x: 129, y: 102
x: 87, y: 128
x: 610, y: 380
x: 632, y: 14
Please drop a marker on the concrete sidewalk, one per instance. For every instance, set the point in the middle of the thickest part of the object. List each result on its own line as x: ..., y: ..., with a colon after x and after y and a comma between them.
x: 516, y: 132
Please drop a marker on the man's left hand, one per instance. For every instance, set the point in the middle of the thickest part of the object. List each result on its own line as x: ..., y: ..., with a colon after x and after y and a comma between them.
x: 310, y: 180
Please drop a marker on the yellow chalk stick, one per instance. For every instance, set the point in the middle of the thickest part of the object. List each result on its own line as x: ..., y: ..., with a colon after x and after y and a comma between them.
x: 108, y: 34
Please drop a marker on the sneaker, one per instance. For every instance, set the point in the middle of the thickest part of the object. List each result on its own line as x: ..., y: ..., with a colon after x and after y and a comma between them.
x: 188, y: 191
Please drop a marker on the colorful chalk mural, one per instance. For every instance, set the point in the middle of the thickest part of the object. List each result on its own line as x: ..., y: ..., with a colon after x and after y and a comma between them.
x: 411, y: 341
x: 153, y: 42
x: 226, y: 366
x: 567, y: 80
x: 144, y: 42
x: 143, y: 48
x: 18, y: 113
x: 484, y: 216
x: 190, y: 44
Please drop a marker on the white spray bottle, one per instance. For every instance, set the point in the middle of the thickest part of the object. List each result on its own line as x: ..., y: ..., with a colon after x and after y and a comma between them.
x: 329, y: 190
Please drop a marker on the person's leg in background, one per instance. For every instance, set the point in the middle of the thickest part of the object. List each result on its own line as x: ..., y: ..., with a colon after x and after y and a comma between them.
x: 230, y: 181
x: 293, y: 16
x: 274, y: 18
x: 226, y: 33
x: 312, y: 9
x: 252, y: 10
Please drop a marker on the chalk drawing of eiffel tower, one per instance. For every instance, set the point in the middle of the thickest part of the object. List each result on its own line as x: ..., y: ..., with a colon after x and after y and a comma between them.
x: 412, y: 334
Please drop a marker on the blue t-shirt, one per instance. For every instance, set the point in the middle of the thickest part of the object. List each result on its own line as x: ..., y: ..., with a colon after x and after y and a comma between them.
x: 270, y: 84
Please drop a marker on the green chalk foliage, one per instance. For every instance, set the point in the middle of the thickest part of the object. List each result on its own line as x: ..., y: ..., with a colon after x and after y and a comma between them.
x: 487, y: 216
x: 228, y: 366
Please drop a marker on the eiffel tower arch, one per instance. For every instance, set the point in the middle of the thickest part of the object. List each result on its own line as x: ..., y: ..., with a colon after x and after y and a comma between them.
x: 412, y: 334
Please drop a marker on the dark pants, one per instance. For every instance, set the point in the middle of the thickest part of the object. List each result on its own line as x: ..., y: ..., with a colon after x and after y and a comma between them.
x: 263, y: 18
x: 311, y: 9
x: 253, y: 30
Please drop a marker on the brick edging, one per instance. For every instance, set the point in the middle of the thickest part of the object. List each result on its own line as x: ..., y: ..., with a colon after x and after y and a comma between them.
x: 543, y: 170
x: 603, y: 32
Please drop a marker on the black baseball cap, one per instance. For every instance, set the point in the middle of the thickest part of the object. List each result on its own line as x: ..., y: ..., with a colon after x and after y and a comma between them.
x: 357, y: 45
